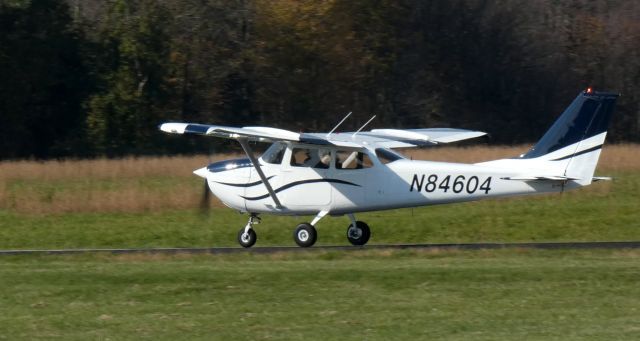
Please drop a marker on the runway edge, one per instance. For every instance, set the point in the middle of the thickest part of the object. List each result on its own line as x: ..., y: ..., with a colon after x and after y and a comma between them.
x: 276, y: 249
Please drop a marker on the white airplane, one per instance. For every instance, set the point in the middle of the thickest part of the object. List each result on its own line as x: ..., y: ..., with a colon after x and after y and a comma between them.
x: 344, y: 173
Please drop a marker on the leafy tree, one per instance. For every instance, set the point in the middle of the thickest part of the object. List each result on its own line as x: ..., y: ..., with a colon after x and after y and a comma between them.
x: 125, y: 111
x: 43, y: 83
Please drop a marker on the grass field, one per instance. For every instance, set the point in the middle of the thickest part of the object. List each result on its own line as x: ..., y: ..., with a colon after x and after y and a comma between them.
x: 362, y: 295
x: 604, y: 211
x: 355, y: 295
x: 155, y: 184
x: 154, y: 202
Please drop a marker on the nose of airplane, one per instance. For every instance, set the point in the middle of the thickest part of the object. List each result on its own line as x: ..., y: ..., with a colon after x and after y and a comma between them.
x: 201, y: 172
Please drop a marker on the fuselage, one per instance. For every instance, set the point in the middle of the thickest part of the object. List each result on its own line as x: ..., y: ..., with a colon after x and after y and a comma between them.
x: 358, y: 181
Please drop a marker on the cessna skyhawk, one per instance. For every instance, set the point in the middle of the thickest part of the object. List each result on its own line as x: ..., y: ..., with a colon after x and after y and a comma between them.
x: 349, y: 172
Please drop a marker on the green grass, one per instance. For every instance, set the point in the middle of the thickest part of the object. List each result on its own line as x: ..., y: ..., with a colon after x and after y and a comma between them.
x: 360, y: 295
x: 603, y: 211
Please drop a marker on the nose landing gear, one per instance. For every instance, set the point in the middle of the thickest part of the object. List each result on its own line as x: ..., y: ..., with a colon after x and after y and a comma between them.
x: 247, y: 236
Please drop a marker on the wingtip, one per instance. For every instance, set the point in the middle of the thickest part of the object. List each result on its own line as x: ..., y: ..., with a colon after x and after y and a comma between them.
x: 173, y: 128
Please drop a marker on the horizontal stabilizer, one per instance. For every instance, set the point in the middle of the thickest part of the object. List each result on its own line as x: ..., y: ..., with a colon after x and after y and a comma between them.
x: 539, y: 178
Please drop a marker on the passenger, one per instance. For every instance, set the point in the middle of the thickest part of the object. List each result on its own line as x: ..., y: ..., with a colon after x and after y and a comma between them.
x: 325, y: 159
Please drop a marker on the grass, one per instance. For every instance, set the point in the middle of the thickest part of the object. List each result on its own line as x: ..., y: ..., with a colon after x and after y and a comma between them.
x: 156, y: 184
x: 151, y: 202
x: 358, y: 295
x: 479, y: 295
x: 604, y: 211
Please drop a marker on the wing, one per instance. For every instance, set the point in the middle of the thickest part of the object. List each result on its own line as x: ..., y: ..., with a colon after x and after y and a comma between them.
x: 262, y: 134
x: 385, y: 138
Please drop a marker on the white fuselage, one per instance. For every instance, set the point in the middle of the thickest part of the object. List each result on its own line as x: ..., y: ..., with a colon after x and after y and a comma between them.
x: 397, y: 184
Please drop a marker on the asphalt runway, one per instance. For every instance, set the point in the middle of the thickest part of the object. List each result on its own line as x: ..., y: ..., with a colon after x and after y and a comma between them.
x: 276, y: 249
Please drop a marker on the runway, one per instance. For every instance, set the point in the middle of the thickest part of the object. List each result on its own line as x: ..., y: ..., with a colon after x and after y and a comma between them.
x: 276, y: 249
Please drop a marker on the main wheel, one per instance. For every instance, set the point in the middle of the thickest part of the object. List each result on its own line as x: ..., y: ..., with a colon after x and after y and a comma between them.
x: 247, y: 239
x: 305, y: 235
x: 359, y: 234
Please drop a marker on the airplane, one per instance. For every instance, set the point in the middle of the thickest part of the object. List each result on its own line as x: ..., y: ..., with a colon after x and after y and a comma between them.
x: 345, y: 173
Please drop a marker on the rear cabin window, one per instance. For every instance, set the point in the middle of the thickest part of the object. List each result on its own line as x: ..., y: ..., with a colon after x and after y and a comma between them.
x: 387, y: 155
x: 311, y: 157
x: 352, y: 160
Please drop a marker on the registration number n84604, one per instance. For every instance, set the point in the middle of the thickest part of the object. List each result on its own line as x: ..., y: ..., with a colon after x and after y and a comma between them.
x: 456, y: 184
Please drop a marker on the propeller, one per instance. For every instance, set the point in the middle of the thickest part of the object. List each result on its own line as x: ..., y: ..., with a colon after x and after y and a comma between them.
x: 205, y: 200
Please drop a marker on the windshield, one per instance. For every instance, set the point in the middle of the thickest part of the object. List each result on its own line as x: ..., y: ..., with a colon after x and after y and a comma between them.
x: 274, y: 153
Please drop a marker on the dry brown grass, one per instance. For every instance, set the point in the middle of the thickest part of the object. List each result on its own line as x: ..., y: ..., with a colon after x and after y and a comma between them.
x: 179, y: 166
x: 614, y: 158
x: 102, y: 185
x: 160, y: 183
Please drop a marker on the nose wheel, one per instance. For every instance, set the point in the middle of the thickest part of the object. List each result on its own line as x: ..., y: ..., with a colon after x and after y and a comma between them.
x: 247, y: 236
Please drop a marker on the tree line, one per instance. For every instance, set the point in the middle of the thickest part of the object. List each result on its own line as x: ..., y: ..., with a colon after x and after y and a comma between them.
x: 84, y: 78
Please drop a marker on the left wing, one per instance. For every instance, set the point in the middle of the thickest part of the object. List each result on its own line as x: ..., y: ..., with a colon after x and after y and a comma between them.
x: 385, y: 138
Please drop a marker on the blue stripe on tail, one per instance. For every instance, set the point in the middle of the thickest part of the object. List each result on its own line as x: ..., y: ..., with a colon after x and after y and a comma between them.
x: 588, y: 115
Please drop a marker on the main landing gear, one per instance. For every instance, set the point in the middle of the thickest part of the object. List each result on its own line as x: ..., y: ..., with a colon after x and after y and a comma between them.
x: 305, y: 234
x: 358, y: 232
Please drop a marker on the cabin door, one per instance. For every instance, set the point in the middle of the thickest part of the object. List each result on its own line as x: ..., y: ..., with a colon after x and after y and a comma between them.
x: 304, y: 178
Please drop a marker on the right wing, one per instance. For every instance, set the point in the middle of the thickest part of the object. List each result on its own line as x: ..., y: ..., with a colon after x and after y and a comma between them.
x: 376, y: 138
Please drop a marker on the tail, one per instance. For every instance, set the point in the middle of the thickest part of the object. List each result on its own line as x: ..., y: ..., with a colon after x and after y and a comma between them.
x: 573, y: 143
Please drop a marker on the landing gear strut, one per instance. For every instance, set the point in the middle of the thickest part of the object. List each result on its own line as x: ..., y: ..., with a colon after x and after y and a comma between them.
x: 358, y: 232
x: 247, y: 236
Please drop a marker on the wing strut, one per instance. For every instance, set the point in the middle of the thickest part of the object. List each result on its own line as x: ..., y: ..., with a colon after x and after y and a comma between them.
x: 247, y: 149
x: 369, y: 121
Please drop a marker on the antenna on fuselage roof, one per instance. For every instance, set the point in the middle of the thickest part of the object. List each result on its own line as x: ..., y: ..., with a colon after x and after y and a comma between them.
x: 337, y: 125
x: 364, y: 125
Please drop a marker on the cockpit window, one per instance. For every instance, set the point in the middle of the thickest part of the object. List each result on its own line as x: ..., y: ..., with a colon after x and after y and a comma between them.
x: 352, y: 160
x: 311, y: 157
x: 387, y: 155
x: 275, y: 153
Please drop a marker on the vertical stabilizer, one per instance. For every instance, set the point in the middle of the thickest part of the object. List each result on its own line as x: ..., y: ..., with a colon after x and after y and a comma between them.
x: 574, y: 141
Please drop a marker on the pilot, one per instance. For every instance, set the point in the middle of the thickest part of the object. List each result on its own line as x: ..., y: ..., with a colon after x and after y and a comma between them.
x: 310, y: 159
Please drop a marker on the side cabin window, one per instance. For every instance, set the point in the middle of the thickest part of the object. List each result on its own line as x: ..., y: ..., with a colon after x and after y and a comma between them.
x: 274, y: 153
x: 352, y: 160
x: 311, y: 157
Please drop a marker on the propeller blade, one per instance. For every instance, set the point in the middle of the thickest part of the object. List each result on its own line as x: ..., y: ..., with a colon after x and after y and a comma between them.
x: 205, y: 201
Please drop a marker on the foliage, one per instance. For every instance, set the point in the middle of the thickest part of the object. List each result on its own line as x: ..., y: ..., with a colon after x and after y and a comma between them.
x: 133, y: 83
x: 43, y: 82
x: 95, y: 78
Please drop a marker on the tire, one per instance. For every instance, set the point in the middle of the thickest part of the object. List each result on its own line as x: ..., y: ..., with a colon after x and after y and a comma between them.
x: 305, y: 235
x: 247, y: 240
x: 360, y: 234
